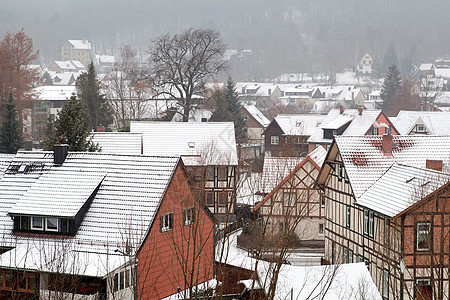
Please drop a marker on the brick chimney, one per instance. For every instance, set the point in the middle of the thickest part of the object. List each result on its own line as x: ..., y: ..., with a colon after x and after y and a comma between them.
x: 386, y: 145
x: 59, y: 153
x: 341, y: 109
x: 360, y: 110
x: 434, y: 164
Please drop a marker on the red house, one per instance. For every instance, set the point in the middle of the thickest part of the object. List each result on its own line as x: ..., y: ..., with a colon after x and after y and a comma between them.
x: 178, y: 251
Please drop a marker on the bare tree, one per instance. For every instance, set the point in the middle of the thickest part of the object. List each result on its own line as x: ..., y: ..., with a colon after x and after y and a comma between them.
x: 180, y: 65
x: 128, y: 97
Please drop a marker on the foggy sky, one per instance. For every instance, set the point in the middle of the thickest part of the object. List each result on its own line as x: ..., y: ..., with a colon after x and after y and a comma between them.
x: 285, y: 36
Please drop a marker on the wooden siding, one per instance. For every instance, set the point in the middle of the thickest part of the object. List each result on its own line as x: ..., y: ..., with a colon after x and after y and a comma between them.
x: 168, y: 257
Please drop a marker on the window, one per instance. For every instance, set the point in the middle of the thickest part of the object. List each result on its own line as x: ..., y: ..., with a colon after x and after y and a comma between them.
x: 345, y: 176
x: 374, y: 130
x: 209, y: 173
x: 334, y: 132
x: 274, y: 140
x: 209, y: 199
x: 339, y: 169
x: 51, y: 224
x: 64, y: 225
x: 388, y: 130
x: 423, y: 236
x: 350, y: 256
x: 322, y: 200
x: 37, y: 223
x: 166, y: 222
x: 347, y: 216
x: 368, y: 223
x: 289, y: 198
x: 321, y: 229
x: 423, y: 289
x: 222, y: 198
x: 222, y: 173
x: 420, y: 128
x: 191, y: 144
x: 344, y: 255
x: 24, y: 223
x: 359, y: 258
x: 385, y: 287
x: 189, y: 216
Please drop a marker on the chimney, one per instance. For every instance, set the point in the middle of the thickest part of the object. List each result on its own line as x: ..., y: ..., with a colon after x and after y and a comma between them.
x: 434, y: 164
x: 386, y: 145
x: 59, y: 153
x: 360, y: 110
x: 100, y: 129
x: 353, y: 95
x: 341, y: 109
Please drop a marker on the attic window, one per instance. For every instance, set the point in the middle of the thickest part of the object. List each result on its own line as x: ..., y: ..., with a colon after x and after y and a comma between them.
x: 420, y: 128
x: 298, y: 124
x: 191, y: 144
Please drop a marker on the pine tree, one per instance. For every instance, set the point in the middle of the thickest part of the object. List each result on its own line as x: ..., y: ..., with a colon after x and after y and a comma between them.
x: 228, y: 109
x: 72, y: 127
x: 390, y: 86
x: 10, y: 133
x: 88, y: 90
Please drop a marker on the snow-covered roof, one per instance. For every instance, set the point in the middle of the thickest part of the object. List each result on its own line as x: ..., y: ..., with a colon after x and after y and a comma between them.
x: 80, y: 44
x: 318, y: 155
x: 299, y: 124
x: 426, y: 67
x: 127, y: 197
x: 442, y: 72
x: 67, y: 65
x: 257, y: 115
x: 118, y: 142
x: 437, y: 122
x: 248, y: 186
x: 53, y: 93
x: 275, y: 169
x: 442, y: 98
x: 105, y: 59
x: 361, y: 123
x: 346, y: 281
x: 203, y: 143
x: 365, y: 162
x: 403, y: 186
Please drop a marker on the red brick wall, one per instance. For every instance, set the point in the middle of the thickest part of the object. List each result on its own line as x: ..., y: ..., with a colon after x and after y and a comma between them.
x: 166, y: 256
x: 437, y: 211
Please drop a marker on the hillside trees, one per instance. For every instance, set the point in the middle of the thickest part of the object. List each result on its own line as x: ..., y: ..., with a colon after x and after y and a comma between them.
x: 390, y: 86
x: 88, y: 90
x: 180, y: 64
x: 10, y: 133
x: 228, y: 109
x: 72, y: 127
x: 16, y: 77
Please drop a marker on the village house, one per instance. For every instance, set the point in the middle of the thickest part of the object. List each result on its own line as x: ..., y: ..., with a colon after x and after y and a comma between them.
x: 378, y: 191
x: 294, y: 203
x: 350, y: 122
x: 67, y: 66
x: 79, y: 50
x: 287, y: 135
x: 99, y: 224
x: 364, y: 67
x: 423, y: 122
x: 208, y: 150
x: 255, y: 123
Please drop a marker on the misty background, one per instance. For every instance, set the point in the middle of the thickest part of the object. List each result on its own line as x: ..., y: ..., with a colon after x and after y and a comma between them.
x: 287, y: 36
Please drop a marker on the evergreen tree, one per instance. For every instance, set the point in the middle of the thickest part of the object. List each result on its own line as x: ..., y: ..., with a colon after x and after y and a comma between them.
x: 228, y: 109
x: 72, y: 127
x: 10, y: 133
x: 390, y: 86
x: 88, y: 89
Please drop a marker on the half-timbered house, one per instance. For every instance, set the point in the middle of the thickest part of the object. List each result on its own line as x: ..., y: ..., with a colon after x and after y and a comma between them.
x: 294, y: 203
x: 369, y: 198
x: 209, y: 152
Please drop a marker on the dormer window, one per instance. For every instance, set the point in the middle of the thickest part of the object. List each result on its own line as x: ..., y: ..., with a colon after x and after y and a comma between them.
x: 420, y: 128
x: 191, y: 144
x: 37, y: 223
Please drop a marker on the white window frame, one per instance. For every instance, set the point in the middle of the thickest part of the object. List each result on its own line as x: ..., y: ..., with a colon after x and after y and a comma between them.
x: 420, y: 232
x: 37, y: 228
x: 274, y: 140
x: 167, y: 220
x: 189, y: 216
x: 47, y: 228
x: 347, y: 216
x: 371, y: 223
